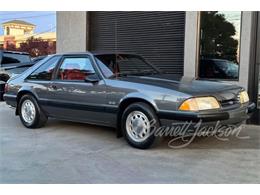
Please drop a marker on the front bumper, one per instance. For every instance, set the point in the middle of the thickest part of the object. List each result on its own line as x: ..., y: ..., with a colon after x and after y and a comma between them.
x: 226, y: 116
x: 10, y: 99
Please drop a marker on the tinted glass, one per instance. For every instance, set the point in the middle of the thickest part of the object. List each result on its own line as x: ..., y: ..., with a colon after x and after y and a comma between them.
x: 111, y: 64
x: 18, y: 70
x: 44, y: 72
x: 219, y: 45
x: 9, y: 58
x: 75, y: 69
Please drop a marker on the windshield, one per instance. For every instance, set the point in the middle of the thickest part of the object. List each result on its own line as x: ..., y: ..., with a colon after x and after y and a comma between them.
x: 113, y: 65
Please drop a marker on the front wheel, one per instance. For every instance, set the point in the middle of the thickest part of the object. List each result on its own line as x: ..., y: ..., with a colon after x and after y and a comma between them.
x: 30, y: 113
x: 138, y: 124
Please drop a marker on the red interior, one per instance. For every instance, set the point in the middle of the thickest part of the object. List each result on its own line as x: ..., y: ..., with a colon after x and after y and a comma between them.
x: 72, y: 72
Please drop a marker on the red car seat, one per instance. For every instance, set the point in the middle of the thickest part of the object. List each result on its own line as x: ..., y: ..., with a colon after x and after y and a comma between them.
x: 72, y: 72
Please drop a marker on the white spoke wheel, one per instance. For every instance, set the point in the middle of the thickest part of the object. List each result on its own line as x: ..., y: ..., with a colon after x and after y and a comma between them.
x: 138, y: 123
x: 138, y: 126
x: 30, y: 112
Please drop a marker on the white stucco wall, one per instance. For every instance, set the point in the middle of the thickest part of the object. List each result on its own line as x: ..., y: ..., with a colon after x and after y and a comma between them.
x: 71, y: 31
x: 191, y: 43
x: 245, y: 48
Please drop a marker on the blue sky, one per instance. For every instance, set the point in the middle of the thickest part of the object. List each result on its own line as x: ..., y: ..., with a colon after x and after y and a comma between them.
x: 44, y: 21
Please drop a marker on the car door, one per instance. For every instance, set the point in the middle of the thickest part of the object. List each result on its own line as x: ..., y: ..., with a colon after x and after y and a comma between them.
x: 78, y: 91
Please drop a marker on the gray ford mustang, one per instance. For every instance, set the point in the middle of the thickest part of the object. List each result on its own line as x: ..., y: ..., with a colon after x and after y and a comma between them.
x: 120, y: 90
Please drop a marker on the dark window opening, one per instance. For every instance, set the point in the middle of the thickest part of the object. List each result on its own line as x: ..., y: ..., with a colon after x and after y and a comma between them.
x: 7, y: 31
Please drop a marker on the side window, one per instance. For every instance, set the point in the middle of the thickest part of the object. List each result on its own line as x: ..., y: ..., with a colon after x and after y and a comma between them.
x: 12, y: 58
x: 44, y: 72
x: 105, y: 70
x: 7, y: 30
x: 75, y: 69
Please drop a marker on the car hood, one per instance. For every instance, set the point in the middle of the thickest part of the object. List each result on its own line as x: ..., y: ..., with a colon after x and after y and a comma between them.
x: 188, y: 85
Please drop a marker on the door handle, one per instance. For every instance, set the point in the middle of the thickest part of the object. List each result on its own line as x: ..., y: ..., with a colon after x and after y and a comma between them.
x: 53, y: 87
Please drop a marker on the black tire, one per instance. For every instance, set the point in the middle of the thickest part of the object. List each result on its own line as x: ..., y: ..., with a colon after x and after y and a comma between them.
x: 148, y: 111
x: 1, y: 96
x: 40, y: 118
x: 2, y: 89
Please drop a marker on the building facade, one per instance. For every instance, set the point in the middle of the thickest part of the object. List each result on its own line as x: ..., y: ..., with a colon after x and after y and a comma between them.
x: 220, y: 46
x: 18, y: 31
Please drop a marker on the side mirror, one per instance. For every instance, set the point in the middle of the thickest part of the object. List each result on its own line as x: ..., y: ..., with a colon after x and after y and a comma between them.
x: 92, y: 78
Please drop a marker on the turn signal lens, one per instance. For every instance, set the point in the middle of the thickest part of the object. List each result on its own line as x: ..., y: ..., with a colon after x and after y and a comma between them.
x: 243, y: 96
x: 201, y: 103
x: 189, y: 104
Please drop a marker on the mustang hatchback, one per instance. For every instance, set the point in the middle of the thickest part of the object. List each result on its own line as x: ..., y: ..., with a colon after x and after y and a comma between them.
x: 120, y: 90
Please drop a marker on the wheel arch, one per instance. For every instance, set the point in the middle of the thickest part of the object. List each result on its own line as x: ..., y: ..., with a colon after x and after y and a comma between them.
x: 19, y: 96
x: 124, y: 103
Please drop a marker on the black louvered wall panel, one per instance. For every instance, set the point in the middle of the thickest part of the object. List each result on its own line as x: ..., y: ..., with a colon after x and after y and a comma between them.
x: 157, y: 36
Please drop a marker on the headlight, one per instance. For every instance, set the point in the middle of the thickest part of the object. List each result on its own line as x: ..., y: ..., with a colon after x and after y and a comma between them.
x: 200, y: 103
x: 243, y: 97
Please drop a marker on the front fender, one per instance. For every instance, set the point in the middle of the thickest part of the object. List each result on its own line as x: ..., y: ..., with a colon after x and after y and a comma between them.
x: 139, y: 96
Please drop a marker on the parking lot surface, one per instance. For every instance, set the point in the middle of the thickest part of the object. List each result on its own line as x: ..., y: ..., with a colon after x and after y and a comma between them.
x: 67, y: 152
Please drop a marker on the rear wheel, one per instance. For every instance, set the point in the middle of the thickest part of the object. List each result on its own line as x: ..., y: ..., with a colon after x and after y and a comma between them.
x: 30, y: 113
x: 138, y: 123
